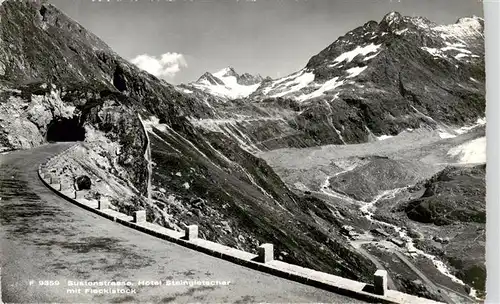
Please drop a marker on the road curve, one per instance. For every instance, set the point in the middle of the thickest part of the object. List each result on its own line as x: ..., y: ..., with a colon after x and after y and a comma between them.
x: 43, y: 237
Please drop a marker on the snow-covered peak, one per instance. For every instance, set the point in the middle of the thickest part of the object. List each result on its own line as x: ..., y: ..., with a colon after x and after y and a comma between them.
x: 226, y: 72
x: 465, y: 28
x: 209, y: 79
x: 471, y: 19
x: 227, y: 83
x: 349, y: 62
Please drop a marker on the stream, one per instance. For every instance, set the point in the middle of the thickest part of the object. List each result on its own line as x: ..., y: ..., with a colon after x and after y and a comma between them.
x: 147, y: 156
x: 368, y: 208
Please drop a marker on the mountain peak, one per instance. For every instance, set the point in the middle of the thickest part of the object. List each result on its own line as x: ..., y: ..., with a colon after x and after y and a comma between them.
x: 392, y: 17
x: 472, y: 18
x: 225, y: 72
x: 243, y: 79
x: 209, y: 78
x: 249, y: 79
x: 473, y: 22
x: 227, y: 83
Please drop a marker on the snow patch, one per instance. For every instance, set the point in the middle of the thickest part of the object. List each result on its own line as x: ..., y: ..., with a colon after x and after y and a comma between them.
x: 299, y: 82
x: 433, y: 51
x: 445, y: 135
x: 471, y: 152
x: 465, y: 129
x: 359, y: 50
x: 353, y: 72
x: 230, y: 89
x: 464, y: 28
x: 327, y: 86
x: 442, y: 52
x: 147, y: 157
x: 384, y: 137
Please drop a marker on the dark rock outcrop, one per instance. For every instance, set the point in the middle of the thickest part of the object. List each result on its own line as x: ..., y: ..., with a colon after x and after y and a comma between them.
x: 453, y: 195
x: 83, y: 182
x: 249, y: 79
x: 224, y: 85
x: 377, y: 175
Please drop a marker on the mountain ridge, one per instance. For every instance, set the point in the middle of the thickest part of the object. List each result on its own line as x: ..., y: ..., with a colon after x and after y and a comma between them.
x: 378, y: 80
x: 225, y: 84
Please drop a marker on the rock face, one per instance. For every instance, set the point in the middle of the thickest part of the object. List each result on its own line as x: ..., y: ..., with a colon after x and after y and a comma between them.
x: 83, y: 182
x: 452, y: 196
x: 454, y: 200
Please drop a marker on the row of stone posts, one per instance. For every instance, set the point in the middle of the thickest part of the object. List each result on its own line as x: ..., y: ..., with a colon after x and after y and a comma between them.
x: 54, y: 182
x: 265, y: 251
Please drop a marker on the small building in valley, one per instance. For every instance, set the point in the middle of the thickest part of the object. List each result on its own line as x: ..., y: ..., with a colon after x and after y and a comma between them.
x: 381, y: 232
x: 398, y: 242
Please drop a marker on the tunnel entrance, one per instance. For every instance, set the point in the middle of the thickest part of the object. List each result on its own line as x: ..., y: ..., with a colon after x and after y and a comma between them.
x: 65, y: 129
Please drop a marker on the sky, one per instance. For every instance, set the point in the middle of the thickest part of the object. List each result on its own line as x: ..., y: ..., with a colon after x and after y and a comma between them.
x: 179, y: 40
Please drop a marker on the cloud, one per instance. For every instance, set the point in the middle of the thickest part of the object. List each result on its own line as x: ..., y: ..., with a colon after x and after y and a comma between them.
x: 164, y: 66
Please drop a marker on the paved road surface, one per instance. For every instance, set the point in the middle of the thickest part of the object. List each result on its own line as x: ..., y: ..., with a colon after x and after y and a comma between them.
x: 43, y: 237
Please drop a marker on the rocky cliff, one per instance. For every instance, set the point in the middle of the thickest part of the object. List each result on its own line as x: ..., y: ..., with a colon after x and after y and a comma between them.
x: 454, y: 200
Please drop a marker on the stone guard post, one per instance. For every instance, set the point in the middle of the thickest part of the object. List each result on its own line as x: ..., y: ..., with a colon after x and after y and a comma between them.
x: 266, y: 252
x: 140, y: 216
x: 103, y: 204
x: 191, y: 232
x: 380, y: 282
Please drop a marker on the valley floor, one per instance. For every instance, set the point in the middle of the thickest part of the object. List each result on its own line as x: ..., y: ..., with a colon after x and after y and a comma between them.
x: 366, y: 204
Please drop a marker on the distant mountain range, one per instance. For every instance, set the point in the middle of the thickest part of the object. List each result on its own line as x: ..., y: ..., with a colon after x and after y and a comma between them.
x: 376, y: 81
x: 226, y: 83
